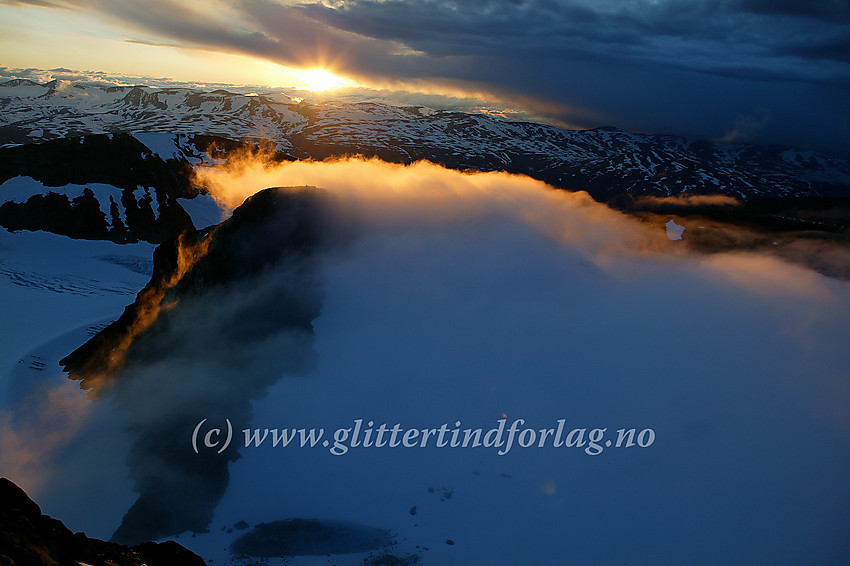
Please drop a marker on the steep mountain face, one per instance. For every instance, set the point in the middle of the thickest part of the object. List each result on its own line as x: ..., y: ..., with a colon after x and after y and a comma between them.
x: 120, y: 160
x: 97, y: 187
x: 271, y: 225
x: 606, y: 162
x: 28, y: 538
x: 232, y: 308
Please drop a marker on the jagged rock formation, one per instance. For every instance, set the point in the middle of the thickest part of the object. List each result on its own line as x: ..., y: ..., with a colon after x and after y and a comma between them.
x: 145, y: 187
x: 227, y: 313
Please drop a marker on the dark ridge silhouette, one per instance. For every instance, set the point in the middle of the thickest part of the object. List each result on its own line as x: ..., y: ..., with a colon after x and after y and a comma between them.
x: 227, y: 313
x: 28, y: 538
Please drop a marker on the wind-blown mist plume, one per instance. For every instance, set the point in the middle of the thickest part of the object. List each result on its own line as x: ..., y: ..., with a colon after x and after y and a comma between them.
x: 393, y: 198
x: 685, y: 201
x: 228, y: 311
x: 470, y: 295
x: 45, y: 421
x: 384, y: 195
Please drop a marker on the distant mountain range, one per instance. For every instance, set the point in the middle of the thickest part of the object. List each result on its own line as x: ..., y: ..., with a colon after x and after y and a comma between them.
x: 606, y: 162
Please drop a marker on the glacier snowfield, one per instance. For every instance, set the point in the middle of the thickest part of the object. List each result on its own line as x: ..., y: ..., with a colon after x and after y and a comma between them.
x: 741, y: 371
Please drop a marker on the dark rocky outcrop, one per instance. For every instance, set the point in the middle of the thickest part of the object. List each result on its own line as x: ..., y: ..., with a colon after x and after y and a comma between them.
x: 272, y: 225
x: 810, y: 231
x: 309, y: 537
x: 119, y: 160
x: 227, y: 313
x: 79, y: 218
x: 28, y: 538
x: 114, y: 159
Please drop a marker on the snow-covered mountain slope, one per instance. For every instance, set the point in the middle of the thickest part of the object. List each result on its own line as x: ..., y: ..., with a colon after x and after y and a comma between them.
x: 51, y: 284
x: 605, y: 161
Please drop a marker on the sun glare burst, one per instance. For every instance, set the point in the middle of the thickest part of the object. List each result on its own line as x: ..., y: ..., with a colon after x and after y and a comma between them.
x: 321, y: 79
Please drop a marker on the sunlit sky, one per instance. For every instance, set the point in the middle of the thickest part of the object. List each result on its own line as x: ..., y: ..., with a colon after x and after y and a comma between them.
x: 48, y: 38
x: 764, y: 71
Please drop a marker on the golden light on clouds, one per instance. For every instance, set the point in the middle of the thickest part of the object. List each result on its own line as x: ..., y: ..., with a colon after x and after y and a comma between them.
x: 80, y: 42
x: 392, y: 195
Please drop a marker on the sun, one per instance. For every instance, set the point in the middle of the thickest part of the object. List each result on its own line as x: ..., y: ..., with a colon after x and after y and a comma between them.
x: 320, y: 79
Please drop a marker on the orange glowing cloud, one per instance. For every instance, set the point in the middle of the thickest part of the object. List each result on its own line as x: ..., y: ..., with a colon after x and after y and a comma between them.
x: 393, y: 196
